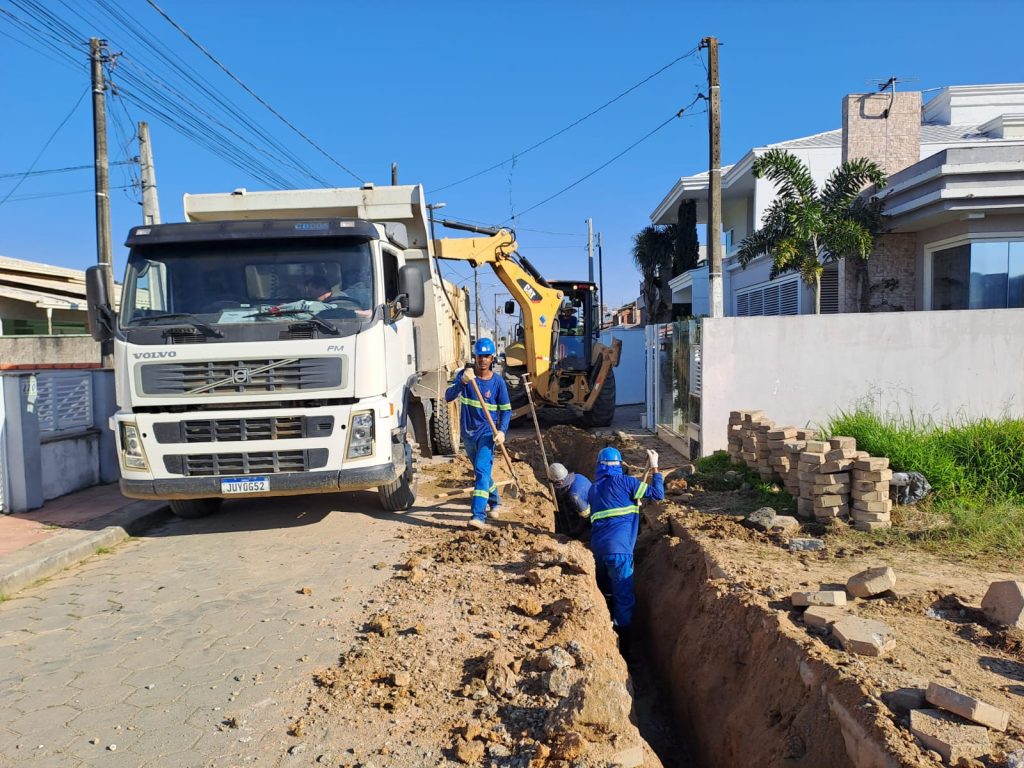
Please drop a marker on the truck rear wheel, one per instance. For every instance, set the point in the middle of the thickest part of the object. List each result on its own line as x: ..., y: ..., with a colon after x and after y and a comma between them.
x: 603, y: 412
x: 444, y: 427
x: 191, y: 509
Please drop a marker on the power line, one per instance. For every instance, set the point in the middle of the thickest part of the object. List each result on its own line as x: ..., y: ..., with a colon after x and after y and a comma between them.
x: 556, y: 134
x: 67, y: 169
x: 47, y: 144
x: 41, y: 195
x: 605, y: 164
x: 248, y: 90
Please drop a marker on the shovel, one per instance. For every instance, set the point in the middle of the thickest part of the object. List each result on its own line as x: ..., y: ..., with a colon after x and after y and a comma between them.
x: 540, y: 442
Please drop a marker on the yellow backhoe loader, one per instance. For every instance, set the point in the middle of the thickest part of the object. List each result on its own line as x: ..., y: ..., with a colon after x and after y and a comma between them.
x: 557, y: 340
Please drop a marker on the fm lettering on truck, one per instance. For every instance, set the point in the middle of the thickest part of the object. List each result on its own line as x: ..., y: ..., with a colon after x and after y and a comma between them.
x: 529, y: 290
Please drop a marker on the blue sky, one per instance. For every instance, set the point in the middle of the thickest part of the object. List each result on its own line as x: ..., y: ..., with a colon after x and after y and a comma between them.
x: 445, y: 89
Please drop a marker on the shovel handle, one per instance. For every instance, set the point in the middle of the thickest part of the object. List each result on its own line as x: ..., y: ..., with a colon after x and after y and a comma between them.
x: 494, y: 431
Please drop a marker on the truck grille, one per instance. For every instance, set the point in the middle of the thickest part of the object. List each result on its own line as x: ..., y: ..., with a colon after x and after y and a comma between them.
x: 236, y: 430
x: 263, y: 463
x: 219, y: 377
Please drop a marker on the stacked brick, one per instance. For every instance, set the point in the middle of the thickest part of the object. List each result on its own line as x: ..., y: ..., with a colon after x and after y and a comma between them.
x: 869, y: 494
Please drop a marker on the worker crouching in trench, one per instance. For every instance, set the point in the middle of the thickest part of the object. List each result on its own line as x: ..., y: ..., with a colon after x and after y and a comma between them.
x: 478, y: 388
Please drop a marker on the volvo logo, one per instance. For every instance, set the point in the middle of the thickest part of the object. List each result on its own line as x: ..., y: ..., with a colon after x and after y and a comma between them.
x: 241, y: 375
x: 153, y: 355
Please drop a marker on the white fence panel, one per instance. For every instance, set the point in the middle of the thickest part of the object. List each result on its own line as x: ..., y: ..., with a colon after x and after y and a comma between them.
x: 63, y: 401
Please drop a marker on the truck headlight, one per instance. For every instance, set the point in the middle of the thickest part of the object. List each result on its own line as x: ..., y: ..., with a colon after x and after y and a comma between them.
x: 133, y: 455
x: 360, y: 435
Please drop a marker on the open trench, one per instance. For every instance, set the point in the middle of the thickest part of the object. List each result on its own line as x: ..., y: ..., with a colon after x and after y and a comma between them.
x: 720, y: 679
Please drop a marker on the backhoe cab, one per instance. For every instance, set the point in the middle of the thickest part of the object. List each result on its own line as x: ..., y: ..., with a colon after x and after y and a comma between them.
x: 558, y: 344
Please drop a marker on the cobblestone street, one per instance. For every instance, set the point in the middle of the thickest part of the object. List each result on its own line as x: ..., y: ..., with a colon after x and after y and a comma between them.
x: 180, y: 648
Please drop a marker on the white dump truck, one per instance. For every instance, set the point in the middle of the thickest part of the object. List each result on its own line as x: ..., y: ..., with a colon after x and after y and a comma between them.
x: 282, y: 342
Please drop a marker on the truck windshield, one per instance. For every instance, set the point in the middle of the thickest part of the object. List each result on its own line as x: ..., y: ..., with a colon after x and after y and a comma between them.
x: 250, y: 281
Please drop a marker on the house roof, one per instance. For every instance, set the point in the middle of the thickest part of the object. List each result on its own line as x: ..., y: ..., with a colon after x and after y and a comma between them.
x: 45, y: 285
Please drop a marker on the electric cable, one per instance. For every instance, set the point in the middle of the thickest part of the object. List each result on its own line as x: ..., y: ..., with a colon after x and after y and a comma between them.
x: 252, y: 93
x: 556, y: 134
x: 53, y: 135
x: 67, y: 169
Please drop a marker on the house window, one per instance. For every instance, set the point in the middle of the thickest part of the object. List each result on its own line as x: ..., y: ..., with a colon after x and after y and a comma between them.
x: 982, y: 275
x: 781, y: 297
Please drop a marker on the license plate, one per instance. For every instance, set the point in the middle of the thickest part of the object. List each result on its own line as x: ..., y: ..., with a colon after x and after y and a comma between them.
x: 245, y: 485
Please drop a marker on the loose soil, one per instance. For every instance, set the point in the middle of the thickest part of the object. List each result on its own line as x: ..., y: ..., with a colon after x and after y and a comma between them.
x: 708, y: 585
x: 484, y: 648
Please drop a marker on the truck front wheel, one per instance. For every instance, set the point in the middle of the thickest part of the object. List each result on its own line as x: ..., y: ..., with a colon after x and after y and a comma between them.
x: 399, y: 495
x: 193, y: 508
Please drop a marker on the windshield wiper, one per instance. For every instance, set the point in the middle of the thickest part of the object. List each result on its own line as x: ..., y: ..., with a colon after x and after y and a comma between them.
x: 320, y: 323
x: 190, y: 319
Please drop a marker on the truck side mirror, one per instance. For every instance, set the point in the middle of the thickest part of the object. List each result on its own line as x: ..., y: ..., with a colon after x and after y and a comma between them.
x: 410, y: 288
x: 100, y: 313
x: 510, y: 307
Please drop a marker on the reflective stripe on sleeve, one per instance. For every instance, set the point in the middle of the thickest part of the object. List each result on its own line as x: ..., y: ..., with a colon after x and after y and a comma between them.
x: 640, y: 492
x: 476, y: 403
x: 615, y: 512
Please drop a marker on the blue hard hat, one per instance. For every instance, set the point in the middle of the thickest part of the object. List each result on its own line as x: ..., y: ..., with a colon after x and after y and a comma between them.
x: 609, y: 455
x: 483, y: 347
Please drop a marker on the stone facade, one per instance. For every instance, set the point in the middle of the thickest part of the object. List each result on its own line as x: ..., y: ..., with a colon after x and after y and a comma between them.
x: 884, y: 127
x: 891, y: 276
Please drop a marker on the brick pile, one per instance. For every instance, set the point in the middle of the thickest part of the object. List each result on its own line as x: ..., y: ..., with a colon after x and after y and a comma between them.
x: 869, y: 494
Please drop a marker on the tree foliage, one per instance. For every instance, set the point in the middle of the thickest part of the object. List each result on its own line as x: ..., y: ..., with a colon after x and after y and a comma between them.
x: 653, y: 251
x: 804, y: 228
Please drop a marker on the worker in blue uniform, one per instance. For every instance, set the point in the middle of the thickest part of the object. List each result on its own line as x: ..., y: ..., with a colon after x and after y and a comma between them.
x: 615, y: 522
x: 479, y: 440
x: 572, y: 494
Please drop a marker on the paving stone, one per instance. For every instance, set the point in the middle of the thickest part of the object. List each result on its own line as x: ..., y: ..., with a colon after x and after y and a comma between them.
x: 839, y: 442
x: 875, y: 476
x: 873, y: 581
x: 817, y: 446
x: 806, y: 545
x: 821, y: 597
x: 823, y: 615
x: 873, y: 506
x: 948, y: 735
x: 871, y: 464
x: 865, y: 637
x: 868, y: 526
x: 967, y: 706
x: 1004, y: 603
x: 785, y: 523
x: 840, y: 453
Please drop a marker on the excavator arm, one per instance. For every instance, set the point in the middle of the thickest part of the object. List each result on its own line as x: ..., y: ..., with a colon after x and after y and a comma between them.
x: 537, y: 300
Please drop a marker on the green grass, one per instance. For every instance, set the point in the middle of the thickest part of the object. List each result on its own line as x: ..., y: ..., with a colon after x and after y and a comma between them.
x: 976, y: 469
x: 711, y: 471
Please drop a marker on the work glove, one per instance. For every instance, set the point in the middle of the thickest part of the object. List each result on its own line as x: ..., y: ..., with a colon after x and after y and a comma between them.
x: 468, y: 374
x: 499, y: 438
x: 585, y: 513
x: 652, y: 459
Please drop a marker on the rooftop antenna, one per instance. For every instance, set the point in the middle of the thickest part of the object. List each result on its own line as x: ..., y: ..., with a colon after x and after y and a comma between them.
x: 889, y: 84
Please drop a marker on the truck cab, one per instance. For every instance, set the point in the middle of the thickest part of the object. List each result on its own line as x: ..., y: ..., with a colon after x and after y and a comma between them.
x: 263, y: 356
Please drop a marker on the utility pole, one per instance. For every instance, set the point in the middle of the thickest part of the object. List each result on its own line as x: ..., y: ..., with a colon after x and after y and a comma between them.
x: 590, y: 249
x: 600, y: 286
x: 150, y: 202
x: 394, y: 174
x: 476, y: 299
x: 104, y: 250
x: 104, y: 253
x: 714, y: 180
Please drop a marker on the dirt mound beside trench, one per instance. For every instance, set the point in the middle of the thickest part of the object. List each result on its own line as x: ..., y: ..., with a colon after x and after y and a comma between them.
x: 485, y: 648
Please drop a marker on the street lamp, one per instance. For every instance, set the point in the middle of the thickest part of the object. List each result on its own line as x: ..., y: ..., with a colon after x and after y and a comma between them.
x: 431, y: 207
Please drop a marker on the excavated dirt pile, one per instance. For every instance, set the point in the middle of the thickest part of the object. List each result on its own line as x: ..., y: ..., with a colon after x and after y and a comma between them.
x: 489, y: 648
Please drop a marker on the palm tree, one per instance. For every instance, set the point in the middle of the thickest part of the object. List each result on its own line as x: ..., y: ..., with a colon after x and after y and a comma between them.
x: 653, y: 248
x: 805, y: 228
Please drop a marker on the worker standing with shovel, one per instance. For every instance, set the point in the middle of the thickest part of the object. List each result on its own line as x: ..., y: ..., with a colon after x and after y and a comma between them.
x: 481, y: 393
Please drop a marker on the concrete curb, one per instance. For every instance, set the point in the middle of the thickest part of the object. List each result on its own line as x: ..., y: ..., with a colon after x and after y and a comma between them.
x: 71, y: 546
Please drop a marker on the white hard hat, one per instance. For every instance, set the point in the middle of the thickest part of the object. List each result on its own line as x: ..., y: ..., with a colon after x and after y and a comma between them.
x: 557, y: 473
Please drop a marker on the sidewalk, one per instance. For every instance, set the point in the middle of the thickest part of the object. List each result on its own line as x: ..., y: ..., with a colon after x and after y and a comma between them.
x: 65, y: 531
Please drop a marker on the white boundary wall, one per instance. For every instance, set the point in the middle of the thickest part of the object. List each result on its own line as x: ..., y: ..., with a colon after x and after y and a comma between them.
x: 800, y: 370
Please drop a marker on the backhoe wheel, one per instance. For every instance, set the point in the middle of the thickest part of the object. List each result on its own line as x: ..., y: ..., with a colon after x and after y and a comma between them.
x: 191, y: 509
x: 399, y: 495
x: 444, y: 427
x: 603, y: 412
